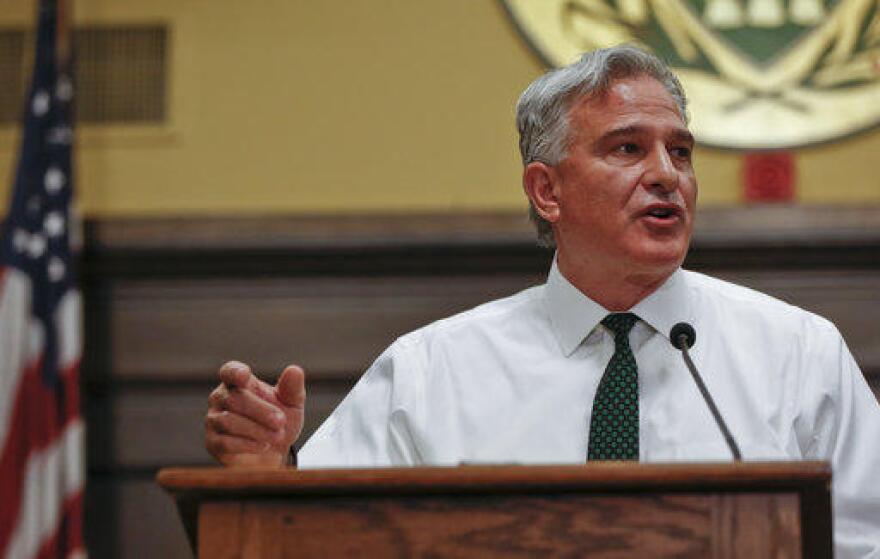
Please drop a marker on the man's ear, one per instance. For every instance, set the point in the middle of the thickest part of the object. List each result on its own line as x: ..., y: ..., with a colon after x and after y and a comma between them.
x: 540, y: 181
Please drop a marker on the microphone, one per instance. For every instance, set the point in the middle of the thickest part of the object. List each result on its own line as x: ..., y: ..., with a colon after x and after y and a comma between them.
x: 683, y: 337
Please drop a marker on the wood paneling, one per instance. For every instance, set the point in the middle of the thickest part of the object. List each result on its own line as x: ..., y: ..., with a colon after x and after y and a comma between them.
x: 335, y: 327
x: 148, y: 427
x: 764, y: 226
x: 132, y: 517
x: 332, y: 326
x: 168, y: 301
x: 601, y: 509
x: 471, y: 527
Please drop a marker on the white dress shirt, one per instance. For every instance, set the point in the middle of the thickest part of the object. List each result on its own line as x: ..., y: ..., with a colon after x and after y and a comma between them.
x: 513, y: 381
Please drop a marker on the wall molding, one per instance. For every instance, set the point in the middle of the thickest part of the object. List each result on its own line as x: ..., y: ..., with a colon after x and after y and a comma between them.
x: 772, y: 238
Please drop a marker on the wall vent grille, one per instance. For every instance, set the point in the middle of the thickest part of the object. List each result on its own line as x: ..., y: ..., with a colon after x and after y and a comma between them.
x: 120, y: 72
x: 12, y: 71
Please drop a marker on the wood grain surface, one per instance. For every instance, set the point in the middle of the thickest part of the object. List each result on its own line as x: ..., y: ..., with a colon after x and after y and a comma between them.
x: 594, y: 476
x: 572, y: 525
x: 609, y: 509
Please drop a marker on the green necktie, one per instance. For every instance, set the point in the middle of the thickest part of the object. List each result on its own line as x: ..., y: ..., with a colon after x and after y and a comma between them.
x: 614, y: 427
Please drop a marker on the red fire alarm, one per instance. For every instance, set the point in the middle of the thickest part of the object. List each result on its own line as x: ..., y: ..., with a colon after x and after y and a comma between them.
x: 769, y: 177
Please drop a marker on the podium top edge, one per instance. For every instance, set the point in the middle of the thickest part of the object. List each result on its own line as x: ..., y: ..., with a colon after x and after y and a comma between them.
x: 617, y: 476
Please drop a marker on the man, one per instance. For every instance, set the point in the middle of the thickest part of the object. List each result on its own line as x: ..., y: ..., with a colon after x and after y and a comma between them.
x: 582, y: 367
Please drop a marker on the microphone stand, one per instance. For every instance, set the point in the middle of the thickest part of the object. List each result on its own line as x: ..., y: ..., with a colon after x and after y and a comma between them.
x: 681, y: 342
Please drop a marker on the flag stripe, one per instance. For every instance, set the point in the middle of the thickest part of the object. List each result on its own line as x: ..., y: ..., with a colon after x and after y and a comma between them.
x: 69, y: 534
x: 52, y: 479
x: 41, y: 434
x: 34, y: 427
x: 15, y: 300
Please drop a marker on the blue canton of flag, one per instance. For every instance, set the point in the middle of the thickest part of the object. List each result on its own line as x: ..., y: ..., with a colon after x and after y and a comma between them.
x: 36, y: 236
x: 41, y: 432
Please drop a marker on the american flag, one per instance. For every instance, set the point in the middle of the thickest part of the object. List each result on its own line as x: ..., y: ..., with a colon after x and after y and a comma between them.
x: 41, y: 432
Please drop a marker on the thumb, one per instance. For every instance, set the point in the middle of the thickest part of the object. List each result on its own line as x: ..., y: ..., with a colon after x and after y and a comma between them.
x: 291, y: 387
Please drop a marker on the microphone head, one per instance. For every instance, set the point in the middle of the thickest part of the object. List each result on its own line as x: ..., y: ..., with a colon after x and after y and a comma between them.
x: 682, y: 329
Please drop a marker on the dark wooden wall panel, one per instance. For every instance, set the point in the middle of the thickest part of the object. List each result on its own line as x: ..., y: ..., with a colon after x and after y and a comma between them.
x: 156, y: 427
x: 184, y: 329
x: 148, y: 522
x: 333, y: 326
x: 168, y: 301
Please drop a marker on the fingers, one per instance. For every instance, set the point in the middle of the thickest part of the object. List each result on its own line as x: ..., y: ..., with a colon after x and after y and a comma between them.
x: 235, y: 374
x: 250, y: 422
x: 291, y: 387
x: 243, y: 402
x: 220, y: 444
x: 235, y: 439
x: 228, y: 423
x: 236, y: 451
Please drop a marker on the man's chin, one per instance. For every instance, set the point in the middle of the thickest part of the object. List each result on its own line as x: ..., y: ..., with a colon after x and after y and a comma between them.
x: 662, y: 260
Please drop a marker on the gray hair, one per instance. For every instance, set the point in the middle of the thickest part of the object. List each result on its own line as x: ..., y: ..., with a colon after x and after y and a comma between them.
x: 542, y: 113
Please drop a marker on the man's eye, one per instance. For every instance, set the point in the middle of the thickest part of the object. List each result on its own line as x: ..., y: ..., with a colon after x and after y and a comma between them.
x: 682, y: 152
x: 628, y: 148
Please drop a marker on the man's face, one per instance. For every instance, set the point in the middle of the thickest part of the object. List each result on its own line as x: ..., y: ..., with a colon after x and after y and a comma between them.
x: 626, y: 190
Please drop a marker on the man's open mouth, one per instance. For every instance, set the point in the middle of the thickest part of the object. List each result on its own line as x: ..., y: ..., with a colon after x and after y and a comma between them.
x: 663, y: 212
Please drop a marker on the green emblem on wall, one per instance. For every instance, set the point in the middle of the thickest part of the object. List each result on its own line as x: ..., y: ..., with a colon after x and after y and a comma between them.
x: 758, y: 73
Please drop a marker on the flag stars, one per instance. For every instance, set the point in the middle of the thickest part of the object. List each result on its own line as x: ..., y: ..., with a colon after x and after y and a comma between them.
x: 36, y: 246
x: 64, y: 88
x: 54, y: 180
x: 60, y: 135
x: 53, y: 225
x: 56, y: 269
x: 40, y: 103
x: 20, y: 240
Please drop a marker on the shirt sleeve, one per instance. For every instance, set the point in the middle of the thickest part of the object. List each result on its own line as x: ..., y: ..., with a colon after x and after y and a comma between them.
x: 370, y: 427
x: 841, y: 417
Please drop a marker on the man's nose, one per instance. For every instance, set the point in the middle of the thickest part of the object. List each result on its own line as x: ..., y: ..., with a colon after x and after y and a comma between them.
x: 661, y: 172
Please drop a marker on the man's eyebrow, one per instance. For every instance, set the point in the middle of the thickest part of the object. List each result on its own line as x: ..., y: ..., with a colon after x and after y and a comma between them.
x: 678, y: 134
x: 683, y: 135
x: 621, y: 132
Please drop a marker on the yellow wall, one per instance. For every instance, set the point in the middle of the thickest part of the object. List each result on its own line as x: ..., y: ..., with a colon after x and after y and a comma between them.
x: 355, y: 106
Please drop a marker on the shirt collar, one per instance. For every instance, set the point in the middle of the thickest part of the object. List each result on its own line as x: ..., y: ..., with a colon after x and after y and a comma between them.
x: 667, y: 306
x: 573, y: 315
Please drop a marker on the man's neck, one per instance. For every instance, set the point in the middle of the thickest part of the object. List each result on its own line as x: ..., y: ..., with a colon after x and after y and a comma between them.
x: 615, y: 292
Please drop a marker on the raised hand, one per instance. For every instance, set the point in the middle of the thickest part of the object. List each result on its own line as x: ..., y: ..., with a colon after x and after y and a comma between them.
x: 250, y: 422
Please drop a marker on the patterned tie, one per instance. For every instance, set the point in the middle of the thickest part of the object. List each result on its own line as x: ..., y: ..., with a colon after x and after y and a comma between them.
x: 614, y: 427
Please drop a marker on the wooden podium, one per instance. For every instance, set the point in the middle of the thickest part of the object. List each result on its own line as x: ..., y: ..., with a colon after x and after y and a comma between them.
x: 751, y: 510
